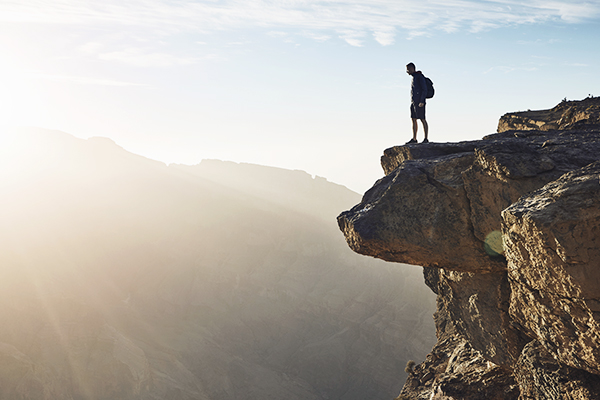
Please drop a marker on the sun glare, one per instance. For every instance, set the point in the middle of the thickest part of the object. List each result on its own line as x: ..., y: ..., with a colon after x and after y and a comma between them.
x: 18, y: 100
x: 8, y: 87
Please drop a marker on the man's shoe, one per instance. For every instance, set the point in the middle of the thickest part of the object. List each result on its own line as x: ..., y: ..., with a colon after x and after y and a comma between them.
x: 412, y: 141
x: 425, y: 141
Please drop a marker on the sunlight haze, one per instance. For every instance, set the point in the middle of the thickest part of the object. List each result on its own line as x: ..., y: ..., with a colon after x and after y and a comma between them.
x: 123, y: 278
x: 310, y: 85
x: 181, y: 185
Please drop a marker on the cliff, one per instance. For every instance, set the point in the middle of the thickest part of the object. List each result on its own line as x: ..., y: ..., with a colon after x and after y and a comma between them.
x: 507, y: 230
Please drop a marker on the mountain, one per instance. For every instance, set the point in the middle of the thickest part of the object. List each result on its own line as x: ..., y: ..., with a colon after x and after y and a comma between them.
x: 506, y: 229
x: 124, y: 278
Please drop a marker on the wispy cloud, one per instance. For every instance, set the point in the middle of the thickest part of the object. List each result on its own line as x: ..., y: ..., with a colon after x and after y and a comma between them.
x: 81, y: 80
x: 351, y: 20
x: 139, y: 58
x: 537, y: 42
x: 353, y: 37
x: 509, y: 69
x: 278, y: 34
x: 316, y: 36
x: 385, y: 35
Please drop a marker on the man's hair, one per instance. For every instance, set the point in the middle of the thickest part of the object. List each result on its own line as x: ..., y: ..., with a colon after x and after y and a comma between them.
x: 410, y: 65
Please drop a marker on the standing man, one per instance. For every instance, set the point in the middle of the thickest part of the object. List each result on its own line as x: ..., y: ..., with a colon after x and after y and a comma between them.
x: 418, y: 91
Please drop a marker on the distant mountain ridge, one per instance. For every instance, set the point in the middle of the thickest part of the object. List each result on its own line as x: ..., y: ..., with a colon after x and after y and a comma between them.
x: 124, y: 278
x: 294, y: 189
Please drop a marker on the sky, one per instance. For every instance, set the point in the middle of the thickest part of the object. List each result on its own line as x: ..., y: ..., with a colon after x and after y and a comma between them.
x: 313, y: 85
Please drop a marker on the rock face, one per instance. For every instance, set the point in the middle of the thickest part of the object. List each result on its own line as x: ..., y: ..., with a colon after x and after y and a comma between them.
x: 508, y: 232
x: 580, y: 114
x: 553, y: 249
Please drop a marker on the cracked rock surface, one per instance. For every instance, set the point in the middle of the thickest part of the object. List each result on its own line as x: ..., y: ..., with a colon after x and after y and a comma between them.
x: 507, y: 229
x: 552, y: 242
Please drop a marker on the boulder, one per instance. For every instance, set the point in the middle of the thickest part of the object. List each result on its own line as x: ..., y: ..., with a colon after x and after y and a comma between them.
x: 439, y: 204
x: 552, y: 239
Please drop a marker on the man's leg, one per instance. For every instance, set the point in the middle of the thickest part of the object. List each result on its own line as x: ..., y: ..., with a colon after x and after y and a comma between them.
x: 415, y: 128
x: 425, y: 127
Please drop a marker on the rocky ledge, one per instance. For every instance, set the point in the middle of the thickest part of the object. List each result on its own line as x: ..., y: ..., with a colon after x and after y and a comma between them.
x: 508, y: 232
x: 579, y: 114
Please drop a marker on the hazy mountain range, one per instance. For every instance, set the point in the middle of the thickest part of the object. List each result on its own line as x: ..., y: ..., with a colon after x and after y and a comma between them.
x: 124, y: 278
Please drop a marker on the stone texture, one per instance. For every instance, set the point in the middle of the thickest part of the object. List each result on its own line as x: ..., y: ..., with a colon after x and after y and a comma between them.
x: 540, y: 377
x: 454, y: 370
x: 566, y: 115
x: 477, y: 305
x: 553, y: 246
x: 507, y: 231
x: 408, y: 215
x: 393, y: 222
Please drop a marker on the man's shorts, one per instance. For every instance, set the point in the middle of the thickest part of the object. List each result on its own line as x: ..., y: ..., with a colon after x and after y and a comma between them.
x: 416, y: 111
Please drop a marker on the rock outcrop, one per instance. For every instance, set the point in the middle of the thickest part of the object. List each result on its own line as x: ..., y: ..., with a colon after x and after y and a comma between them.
x: 552, y: 241
x: 507, y: 230
x: 582, y: 114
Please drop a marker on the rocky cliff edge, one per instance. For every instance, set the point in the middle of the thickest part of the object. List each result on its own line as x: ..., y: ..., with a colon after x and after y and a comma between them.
x: 508, y: 231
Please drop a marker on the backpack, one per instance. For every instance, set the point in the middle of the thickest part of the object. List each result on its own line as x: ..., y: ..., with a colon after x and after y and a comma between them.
x: 430, y: 89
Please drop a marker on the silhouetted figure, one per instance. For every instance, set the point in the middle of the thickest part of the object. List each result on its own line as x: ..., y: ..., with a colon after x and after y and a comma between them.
x: 418, y: 92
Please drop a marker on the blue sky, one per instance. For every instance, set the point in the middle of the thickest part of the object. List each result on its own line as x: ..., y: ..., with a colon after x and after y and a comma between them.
x: 299, y: 84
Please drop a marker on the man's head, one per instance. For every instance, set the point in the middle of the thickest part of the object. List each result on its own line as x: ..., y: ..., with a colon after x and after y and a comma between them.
x: 410, y: 68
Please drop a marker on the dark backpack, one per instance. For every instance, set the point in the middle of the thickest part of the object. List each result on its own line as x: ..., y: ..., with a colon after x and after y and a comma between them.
x: 430, y: 89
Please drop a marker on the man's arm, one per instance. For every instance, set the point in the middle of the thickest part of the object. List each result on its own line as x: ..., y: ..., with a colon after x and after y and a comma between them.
x: 423, y: 86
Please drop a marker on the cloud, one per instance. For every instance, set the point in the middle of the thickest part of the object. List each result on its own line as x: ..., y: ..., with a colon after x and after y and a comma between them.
x: 570, y: 11
x: 316, y: 36
x: 508, y: 70
x: 138, y: 58
x: 81, y: 80
x: 278, y: 34
x: 385, y: 35
x: 537, y: 42
x: 350, y: 20
x: 353, y: 38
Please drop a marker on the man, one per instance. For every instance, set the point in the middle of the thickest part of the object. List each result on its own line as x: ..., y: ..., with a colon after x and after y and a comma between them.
x: 418, y: 91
